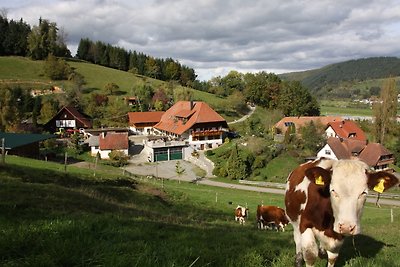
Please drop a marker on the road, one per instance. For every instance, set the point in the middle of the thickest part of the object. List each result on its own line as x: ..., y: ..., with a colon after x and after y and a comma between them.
x: 166, y: 169
x: 382, y: 201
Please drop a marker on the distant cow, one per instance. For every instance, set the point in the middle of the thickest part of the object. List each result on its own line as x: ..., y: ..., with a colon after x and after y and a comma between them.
x: 241, y: 214
x: 324, y: 201
x: 271, y: 217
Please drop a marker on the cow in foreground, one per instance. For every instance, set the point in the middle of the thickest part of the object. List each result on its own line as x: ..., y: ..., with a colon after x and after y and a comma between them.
x: 324, y: 201
x: 271, y: 217
x: 241, y: 214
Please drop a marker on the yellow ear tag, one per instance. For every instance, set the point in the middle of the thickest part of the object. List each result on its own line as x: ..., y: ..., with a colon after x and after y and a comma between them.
x: 319, y: 180
x: 380, y: 186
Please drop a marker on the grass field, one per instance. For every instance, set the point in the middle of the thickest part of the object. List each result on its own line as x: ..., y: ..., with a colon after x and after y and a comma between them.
x: 52, y: 219
x: 29, y: 74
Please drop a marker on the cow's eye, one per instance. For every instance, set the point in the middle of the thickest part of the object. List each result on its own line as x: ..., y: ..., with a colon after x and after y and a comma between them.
x: 333, y: 193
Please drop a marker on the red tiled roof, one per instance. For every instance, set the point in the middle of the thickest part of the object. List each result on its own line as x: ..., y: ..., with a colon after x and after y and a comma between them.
x: 373, y: 152
x: 301, y: 121
x: 143, y: 117
x: 114, y: 141
x: 348, y: 129
x: 200, y: 112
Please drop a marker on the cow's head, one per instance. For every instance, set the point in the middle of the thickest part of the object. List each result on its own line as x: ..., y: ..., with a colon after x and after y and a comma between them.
x: 348, y: 182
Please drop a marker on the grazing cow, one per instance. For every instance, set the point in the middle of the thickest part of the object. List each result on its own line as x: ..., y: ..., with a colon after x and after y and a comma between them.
x: 241, y: 213
x: 271, y: 217
x: 324, y: 201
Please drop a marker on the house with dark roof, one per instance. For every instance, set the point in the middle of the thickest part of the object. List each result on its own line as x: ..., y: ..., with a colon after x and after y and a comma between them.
x: 24, y: 144
x: 107, y: 142
x: 143, y: 122
x: 377, y: 156
x: 68, y: 117
x: 374, y: 154
x: 339, y: 148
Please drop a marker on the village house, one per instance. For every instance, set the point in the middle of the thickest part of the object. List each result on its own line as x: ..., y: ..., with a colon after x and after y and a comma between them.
x: 346, y: 140
x: 142, y: 123
x: 296, y: 123
x: 106, y: 142
x: 68, y: 118
x: 185, y: 127
x: 375, y: 155
x: 345, y: 129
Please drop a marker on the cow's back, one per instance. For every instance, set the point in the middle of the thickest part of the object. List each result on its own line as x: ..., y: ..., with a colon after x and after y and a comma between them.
x: 306, y: 203
x: 295, y: 198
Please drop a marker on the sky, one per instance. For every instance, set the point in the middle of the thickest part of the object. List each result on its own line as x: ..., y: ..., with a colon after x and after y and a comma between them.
x: 216, y: 36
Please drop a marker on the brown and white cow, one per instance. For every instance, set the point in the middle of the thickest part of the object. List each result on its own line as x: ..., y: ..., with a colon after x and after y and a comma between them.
x: 271, y: 217
x: 241, y: 214
x: 324, y: 201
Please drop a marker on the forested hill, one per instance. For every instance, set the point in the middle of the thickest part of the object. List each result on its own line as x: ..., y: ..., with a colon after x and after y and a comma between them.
x: 352, y: 70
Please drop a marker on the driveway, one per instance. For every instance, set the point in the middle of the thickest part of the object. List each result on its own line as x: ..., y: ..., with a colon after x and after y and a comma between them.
x: 163, y: 169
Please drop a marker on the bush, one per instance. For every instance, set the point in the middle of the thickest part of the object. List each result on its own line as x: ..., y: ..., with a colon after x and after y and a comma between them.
x: 118, y: 158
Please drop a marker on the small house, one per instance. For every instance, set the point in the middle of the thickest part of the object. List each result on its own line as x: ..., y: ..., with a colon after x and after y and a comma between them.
x: 68, y: 118
x: 105, y: 143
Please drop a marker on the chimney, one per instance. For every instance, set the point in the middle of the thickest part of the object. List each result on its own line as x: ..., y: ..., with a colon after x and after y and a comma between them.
x: 191, y: 104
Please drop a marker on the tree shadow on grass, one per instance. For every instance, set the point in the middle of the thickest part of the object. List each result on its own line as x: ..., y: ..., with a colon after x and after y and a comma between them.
x: 363, y: 246
x: 89, y: 90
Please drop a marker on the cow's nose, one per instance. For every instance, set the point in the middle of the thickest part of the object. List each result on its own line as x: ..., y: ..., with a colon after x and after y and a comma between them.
x: 347, y: 229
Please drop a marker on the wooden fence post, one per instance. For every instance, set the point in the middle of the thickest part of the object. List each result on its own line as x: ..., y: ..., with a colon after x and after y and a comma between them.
x: 65, y: 161
x: 3, y: 151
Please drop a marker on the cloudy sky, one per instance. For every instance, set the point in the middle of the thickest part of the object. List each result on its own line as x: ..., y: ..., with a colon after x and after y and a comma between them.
x: 216, y: 36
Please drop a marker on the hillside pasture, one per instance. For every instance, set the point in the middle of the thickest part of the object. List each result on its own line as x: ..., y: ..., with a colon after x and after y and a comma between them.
x: 81, y: 222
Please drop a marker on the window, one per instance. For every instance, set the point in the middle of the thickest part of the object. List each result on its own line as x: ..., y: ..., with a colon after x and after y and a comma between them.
x: 289, y: 123
x: 327, y: 152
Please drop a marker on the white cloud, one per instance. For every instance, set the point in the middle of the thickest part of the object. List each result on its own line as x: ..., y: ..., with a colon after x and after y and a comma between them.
x: 214, y: 37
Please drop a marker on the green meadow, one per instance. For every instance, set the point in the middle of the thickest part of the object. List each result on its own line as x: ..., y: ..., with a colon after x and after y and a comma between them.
x: 53, y: 217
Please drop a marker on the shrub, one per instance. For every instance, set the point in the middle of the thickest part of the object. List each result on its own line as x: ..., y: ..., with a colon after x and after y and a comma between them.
x: 118, y: 158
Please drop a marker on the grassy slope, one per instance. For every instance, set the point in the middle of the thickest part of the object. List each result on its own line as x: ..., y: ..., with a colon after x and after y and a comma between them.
x: 29, y: 73
x: 84, y: 224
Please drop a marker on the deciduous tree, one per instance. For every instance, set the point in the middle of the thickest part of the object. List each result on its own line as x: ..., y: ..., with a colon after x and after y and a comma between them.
x: 385, y: 110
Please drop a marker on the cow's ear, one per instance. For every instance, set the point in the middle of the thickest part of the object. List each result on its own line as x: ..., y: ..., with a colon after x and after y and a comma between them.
x: 381, y: 181
x: 318, y: 176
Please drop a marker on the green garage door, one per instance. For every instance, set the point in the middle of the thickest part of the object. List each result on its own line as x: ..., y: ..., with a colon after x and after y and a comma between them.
x: 161, y: 154
x: 175, y: 153
x: 161, y: 157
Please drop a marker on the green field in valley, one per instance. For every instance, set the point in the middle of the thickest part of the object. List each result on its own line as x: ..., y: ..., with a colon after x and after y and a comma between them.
x: 52, y: 218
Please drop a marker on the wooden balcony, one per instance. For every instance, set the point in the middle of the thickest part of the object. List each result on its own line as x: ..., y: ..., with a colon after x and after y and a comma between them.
x: 206, y: 133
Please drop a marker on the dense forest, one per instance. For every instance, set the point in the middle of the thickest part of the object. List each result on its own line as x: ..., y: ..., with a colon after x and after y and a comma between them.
x: 135, y: 62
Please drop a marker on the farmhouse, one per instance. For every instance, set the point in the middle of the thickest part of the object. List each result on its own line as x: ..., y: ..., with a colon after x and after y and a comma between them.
x: 345, y: 129
x: 68, y: 118
x: 296, y: 123
x: 374, y: 154
x: 195, y: 122
x: 377, y: 156
x: 174, y: 134
x: 143, y: 122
